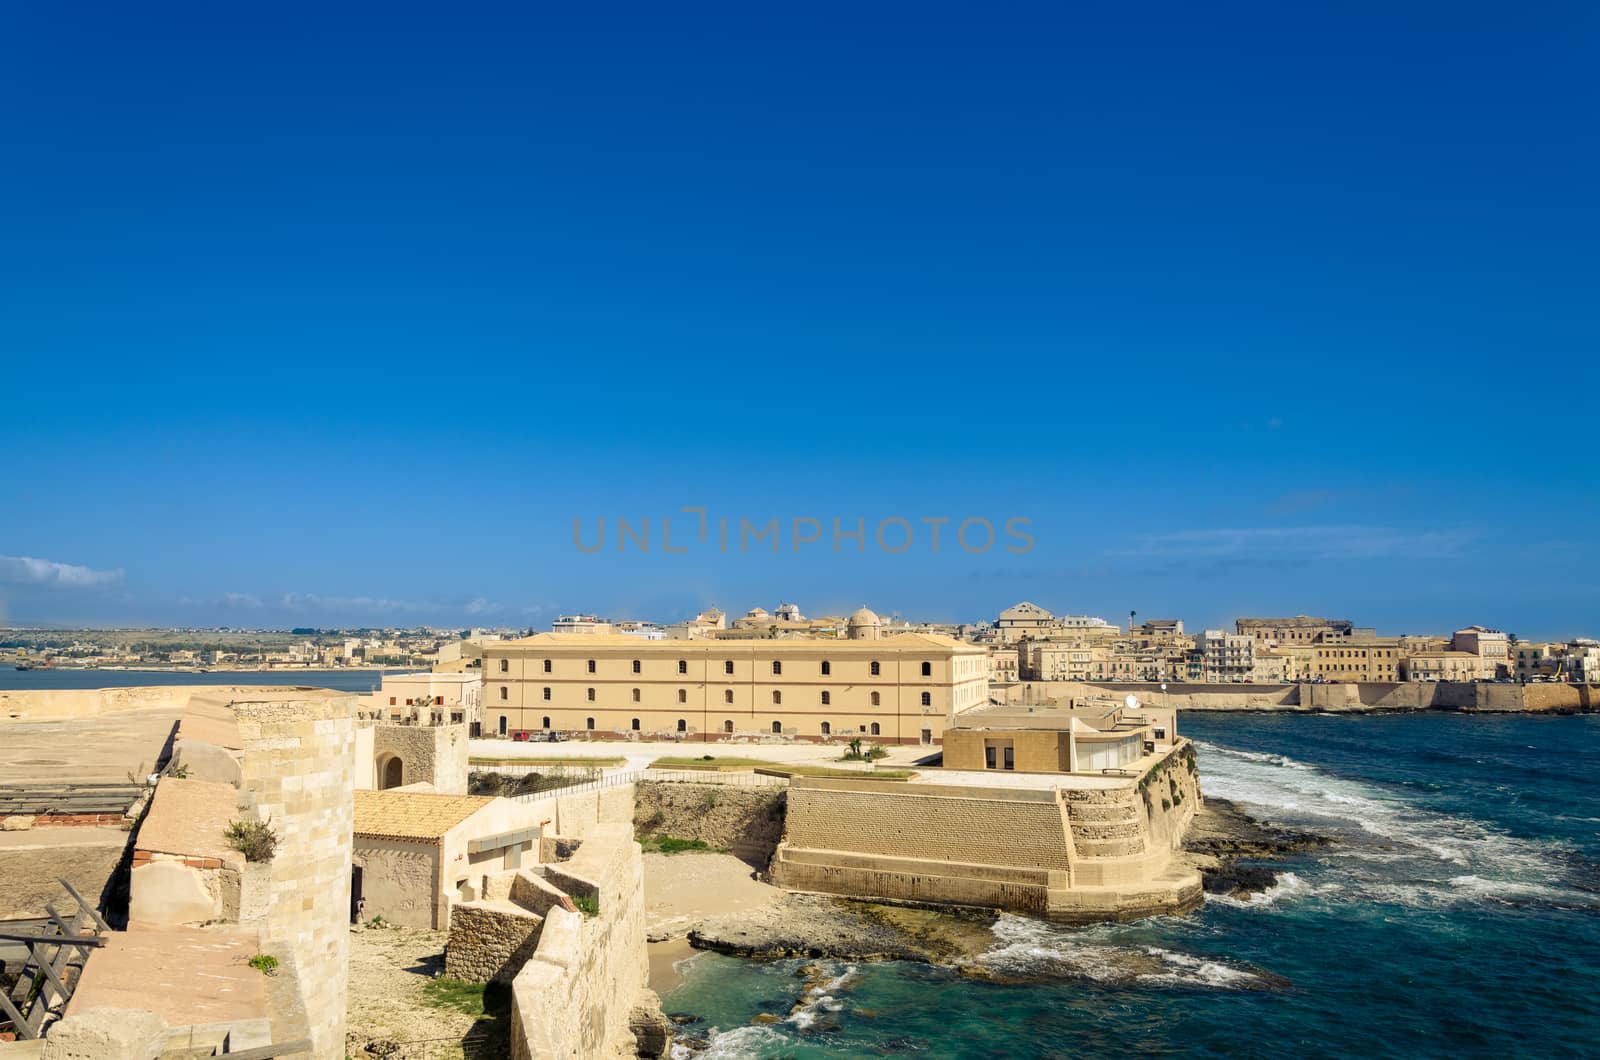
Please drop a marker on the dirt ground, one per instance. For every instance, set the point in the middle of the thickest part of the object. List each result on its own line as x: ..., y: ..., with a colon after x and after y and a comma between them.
x: 31, y: 861
x: 680, y: 890
x: 389, y: 1012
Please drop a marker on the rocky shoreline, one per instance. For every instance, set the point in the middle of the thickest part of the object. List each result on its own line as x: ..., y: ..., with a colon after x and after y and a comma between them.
x: 1223, y: 839
x: 808, y: 925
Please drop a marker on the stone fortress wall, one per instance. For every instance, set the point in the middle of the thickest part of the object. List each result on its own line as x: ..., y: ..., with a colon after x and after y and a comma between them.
x: 1088, y: 850
x: 1354, y: 696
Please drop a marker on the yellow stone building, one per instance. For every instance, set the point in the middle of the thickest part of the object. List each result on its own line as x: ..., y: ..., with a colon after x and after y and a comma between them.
x: 900, y: 689
x: 1372, y: 660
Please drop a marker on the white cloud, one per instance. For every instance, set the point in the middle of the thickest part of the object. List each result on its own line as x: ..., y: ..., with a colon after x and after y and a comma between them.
x: 27, y: 570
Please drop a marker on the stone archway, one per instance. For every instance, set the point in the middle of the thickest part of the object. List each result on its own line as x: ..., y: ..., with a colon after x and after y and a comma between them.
x: 391, y: 772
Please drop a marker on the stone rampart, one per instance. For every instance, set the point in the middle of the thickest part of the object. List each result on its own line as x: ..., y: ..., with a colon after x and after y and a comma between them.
x: 575, y: 996
x: 490, y: 941
x: 1068, y: 848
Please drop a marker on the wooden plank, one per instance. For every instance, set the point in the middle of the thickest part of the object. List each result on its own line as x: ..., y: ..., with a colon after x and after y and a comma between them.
x: 35, y: 936
x: 23, y: 1028
x: 47, y: 969
x: 85, y: 906
x: 68, y: 932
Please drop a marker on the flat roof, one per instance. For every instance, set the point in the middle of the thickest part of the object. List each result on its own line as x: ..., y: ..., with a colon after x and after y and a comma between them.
x: 617, y: 640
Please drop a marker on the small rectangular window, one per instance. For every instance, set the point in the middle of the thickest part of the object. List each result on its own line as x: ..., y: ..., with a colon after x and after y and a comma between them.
x: 683, y: 666
x: 827, y: 668
x: 505, y: 665
x: 727, y: 667
x: 777, y: 667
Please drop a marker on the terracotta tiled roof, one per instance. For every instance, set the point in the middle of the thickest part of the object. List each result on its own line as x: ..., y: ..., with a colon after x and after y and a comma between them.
x: 412, y: 814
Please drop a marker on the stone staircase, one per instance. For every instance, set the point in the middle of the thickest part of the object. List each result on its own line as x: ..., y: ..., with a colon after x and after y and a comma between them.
x: 1105, y: 822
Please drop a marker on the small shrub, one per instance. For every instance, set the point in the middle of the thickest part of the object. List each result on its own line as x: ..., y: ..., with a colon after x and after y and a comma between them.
x: 587, y: 904
x: 1166, y: 804
x: 375, y: 922
x: 254, y: 839
x: 711, y: 799
x: 265, y: 963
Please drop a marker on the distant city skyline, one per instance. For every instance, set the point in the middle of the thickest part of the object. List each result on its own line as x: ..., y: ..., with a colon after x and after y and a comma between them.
x: 335, y: 319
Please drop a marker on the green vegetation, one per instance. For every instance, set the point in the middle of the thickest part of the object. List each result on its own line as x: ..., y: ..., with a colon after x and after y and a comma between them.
x: 254, y: 839
x: 587, y: 904
x: 265, y: 963
x: 472, y: 999
x: 671, y: 844
x: 510, y: 784
x: 872, y: 753
x: 552, y: 760
x: 711, y: 762
x: 827, y: 771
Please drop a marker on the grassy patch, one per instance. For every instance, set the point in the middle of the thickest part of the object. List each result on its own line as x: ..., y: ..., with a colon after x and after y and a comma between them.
x: 852, y: 774
x: 554, y: 760
x: 712, y: 762
x: 671, y: 844
x: 472, y: 999
x: 587, y: 904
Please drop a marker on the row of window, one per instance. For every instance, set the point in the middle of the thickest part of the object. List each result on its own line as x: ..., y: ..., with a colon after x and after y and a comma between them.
x: 727, y: 727
x: 876, y: 668
x: 727, y: 696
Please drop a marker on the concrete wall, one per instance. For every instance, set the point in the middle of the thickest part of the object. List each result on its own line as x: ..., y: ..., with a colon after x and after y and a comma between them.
x: 574, y: 997
x: 299, y: 760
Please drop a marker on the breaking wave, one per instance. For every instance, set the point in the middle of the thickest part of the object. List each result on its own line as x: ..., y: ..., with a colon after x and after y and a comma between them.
x: 1388, y: 848
x: 1037, y: 949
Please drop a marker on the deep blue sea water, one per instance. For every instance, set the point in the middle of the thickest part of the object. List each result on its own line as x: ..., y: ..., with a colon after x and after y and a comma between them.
x: 1458, y: 915
x: 339, y: 680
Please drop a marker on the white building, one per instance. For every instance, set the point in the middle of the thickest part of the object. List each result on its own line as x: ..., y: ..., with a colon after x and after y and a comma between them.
x: 430, y: 698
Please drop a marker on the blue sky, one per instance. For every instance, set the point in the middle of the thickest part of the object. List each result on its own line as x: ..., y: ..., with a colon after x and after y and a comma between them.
x: 315, y: 318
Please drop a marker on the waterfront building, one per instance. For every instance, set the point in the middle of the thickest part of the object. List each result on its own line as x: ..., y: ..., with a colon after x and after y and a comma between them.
x: 900, y: 689
x: 1356, y: 660
x: 1491, y: 645
x: 1088, y: 739
x: 1301, y: 629
x: 1226, y: 657
x: 1444, y: 666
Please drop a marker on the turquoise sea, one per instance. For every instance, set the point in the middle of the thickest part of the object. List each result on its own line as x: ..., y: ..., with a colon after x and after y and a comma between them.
x: 1457, y: 915
x: 339, y: 680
